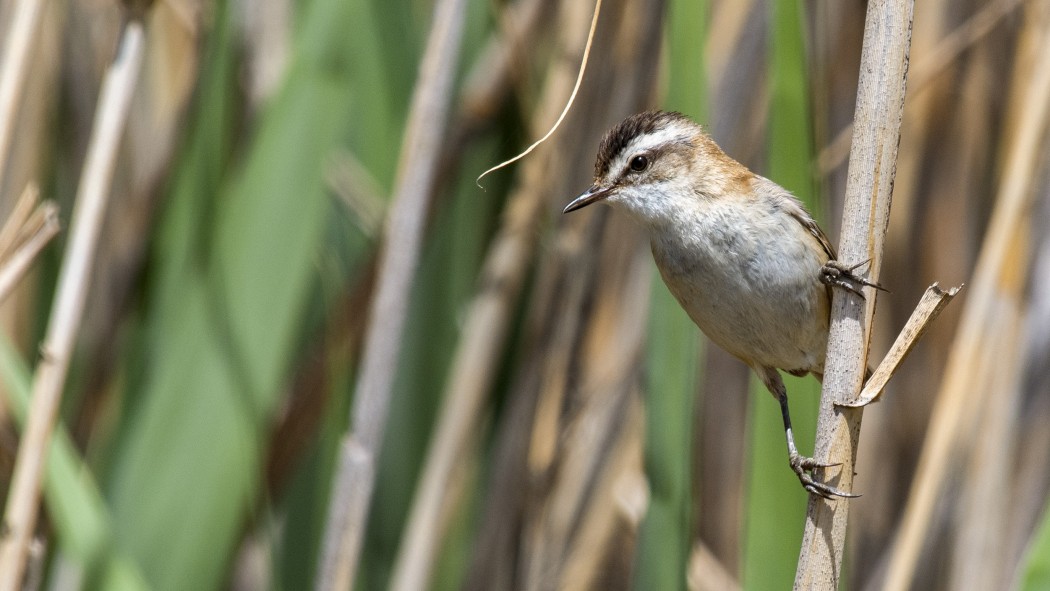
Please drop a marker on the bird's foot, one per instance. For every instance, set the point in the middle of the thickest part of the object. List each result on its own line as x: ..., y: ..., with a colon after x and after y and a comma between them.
x: 837, y: 274
x: 802, y: 466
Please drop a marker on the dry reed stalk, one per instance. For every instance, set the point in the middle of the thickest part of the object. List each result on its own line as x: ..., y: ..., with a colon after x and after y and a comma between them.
x: 739, y: 107
x: 502, y: 66
x: 920, y: 122
x: 729, y: 22
x: 354, y: 477
x: 931, y: 304
x: 618, y: 502
x: 592, y: 298
x: 568, y: 103
x: 16, y: 221
x: 26, y: 232
x: 938, y: 239
x: 557, y: 432
x: 603, y: 354
x: 928, y: 66
x: 485, y: 89
x: 544, y: 538
x: 1030, y: 479
x: 39, y: 231
x: 501, y: 71
x: 476, y: 359
x: 308, y: 399
x: 70, y: 295
x: 548, y: 176
x: 359, y: 191
x: 979, y: 540
x: 880, y: 106
x: 994, y: 292
x: 707, y: 573
x: 20, y: 35
x: 734, y: 50
x: 473, y: 370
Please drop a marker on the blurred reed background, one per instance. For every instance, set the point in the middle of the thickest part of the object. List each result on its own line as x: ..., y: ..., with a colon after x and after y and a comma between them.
x: 588, y: 436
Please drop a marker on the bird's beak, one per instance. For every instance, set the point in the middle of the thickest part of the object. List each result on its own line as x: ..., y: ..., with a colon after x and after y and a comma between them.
x: 592, y: 195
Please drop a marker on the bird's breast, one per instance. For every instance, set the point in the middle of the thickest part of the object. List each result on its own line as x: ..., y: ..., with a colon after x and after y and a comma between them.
x: 751, y: 283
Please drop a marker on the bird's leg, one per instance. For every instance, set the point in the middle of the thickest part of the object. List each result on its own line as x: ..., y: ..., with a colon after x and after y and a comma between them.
x: 801, y: 465
x: 837, y: 274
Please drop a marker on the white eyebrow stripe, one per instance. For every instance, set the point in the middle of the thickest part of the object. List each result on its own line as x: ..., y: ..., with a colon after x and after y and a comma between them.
x: 648, y: 142
x: 670, y: 133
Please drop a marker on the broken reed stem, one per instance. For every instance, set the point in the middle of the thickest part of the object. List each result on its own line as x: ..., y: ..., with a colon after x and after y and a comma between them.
x: 14, y: 225
x: 354, y: 478
x: 26, y: 232
x: 70, y: 296
x: 869, y: 184
x: 933, y: 301
x: 39, y: 230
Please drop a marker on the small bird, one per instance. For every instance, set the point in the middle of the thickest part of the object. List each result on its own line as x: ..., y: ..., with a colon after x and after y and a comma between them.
x: 741, y: 255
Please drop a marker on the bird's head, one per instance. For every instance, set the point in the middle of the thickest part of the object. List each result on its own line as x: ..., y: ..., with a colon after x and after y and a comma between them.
x: 653, y: 164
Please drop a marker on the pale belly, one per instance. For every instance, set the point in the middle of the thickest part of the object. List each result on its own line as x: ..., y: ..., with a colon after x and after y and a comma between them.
x: 762, y: 302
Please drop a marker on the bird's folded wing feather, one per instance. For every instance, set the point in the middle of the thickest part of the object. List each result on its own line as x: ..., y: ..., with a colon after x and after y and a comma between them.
x: 792, y: 206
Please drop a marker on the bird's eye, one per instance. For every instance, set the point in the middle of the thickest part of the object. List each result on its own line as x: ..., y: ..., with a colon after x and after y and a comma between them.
x: 639, y: 163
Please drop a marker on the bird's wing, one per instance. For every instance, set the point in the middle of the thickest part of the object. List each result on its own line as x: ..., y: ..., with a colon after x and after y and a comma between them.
x: 793, y: 207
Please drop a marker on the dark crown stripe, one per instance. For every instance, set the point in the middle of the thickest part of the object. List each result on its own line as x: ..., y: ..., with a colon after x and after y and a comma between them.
x: 618, y: 138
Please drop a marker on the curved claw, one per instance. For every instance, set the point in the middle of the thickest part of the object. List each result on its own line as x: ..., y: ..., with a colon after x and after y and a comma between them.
x: 824, y: 491
x: 802, y: 465
x: 837, y: 274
